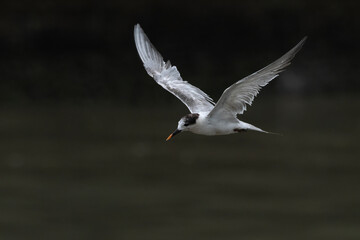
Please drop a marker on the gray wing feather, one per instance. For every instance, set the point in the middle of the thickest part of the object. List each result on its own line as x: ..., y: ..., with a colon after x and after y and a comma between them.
x: 168, y: 76
x: 234, y: 99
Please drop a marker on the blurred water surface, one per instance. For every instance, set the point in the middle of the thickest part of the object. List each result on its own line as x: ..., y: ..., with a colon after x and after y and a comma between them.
x: 105, y: 172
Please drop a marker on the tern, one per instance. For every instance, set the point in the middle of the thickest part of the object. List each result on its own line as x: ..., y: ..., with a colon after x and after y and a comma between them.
x: 206, y: 117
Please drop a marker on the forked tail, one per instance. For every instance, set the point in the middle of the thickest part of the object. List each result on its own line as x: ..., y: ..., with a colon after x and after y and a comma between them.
x: 253, y: 128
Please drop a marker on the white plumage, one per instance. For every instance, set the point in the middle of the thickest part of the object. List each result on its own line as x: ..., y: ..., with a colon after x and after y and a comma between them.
x: 169, y: 77
x: 206, y: 118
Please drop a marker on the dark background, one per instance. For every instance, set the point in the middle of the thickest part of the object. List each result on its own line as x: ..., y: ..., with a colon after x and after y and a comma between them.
x: 82, y: 126
x: 55, y: 50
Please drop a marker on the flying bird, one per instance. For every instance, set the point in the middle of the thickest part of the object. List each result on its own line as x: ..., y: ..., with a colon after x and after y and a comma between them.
x: 206, y: 117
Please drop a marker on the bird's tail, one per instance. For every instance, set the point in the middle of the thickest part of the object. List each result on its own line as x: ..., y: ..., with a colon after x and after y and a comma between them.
x: 253, y: 128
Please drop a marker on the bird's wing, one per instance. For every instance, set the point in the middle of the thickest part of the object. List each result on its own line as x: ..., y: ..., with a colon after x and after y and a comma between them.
x: 234, y: 99
x: 169, y: 77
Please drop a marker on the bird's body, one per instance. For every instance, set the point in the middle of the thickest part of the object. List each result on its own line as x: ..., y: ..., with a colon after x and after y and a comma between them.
x: 206, y: 125
x: 206, y: 117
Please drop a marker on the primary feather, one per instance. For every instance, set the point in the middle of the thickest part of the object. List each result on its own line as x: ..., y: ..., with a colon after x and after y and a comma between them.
x: 169, y: 77
x: 234, y: 99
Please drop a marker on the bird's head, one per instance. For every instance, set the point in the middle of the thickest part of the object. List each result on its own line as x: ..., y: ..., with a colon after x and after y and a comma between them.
x: 185, y: 124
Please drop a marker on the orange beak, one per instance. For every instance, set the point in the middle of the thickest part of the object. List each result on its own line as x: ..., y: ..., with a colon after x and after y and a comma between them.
x: 173, y: 134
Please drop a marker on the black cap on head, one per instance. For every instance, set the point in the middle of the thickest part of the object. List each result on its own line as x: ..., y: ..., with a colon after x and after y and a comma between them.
x: 190, y: 119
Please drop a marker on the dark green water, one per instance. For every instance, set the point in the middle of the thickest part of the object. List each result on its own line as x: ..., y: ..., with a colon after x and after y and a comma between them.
x: 92, y: 172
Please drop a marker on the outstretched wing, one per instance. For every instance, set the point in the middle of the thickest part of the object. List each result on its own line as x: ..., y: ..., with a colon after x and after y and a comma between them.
x: 169, y: 77
x: 234, y: 99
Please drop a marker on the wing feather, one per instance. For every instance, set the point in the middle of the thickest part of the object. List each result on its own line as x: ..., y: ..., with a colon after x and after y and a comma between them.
x: 168, y: 76
x: 234, y: 99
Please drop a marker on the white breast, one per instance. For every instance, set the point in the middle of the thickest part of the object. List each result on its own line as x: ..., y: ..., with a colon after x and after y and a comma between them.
x: 206, y: 126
